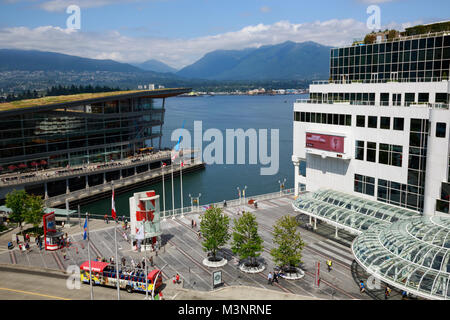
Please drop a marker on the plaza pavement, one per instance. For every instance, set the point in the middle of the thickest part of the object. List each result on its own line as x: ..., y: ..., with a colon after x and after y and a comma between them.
x: 182, y: 252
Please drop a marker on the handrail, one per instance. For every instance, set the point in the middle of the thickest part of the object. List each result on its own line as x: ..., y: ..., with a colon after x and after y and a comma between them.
x: 372, y: 103
x: 401, y: 80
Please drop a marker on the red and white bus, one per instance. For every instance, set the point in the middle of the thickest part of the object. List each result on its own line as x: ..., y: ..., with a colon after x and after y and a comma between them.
x: 103, y: 273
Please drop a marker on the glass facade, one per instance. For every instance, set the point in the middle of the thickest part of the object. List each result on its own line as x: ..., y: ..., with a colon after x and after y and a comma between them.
x: 413, y: 255
x: 76, y: 135
x: 412, y: 60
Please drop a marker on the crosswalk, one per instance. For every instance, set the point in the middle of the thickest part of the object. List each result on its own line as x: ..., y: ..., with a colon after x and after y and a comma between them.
x: 334, y: 251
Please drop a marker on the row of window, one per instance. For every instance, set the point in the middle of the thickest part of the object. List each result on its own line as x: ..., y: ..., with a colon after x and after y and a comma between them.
x: 385, y: 122
x: 427, y: 43
x: 388, y: 154
x: 325, y: 118
x: 390, y: 192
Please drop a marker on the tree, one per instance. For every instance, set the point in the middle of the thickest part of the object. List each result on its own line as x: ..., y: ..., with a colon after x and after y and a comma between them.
x: 246, y: 241
x: 289, y: 244
x: 214, y: 228
x: 35, y: 210
x: 370, y: 38
x: 17, y: 202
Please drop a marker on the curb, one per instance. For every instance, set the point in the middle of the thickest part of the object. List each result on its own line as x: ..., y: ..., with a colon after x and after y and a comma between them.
x: 33, y: 270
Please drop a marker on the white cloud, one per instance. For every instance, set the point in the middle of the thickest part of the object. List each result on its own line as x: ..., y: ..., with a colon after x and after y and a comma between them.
x: 179, y: 52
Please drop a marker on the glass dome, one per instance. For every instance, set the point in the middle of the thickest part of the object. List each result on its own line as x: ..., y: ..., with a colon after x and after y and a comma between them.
x: 349, y: 212
x: 412, y: 255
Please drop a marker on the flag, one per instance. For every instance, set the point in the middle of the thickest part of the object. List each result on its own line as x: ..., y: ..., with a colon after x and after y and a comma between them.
x: 85, y: 229
x: 113, y: 207
x: 164, y: 164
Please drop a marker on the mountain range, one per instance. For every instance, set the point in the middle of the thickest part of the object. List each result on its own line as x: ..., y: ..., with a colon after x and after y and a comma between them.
x: 288, y: 61
x: 285, y: 61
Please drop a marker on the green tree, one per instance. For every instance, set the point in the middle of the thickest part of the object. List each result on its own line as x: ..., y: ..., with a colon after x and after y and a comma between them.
x: 214, y: 228
x: 370, y: 38
x: 17, y: 202
x: 35, y: 210
x: 289, y: 244
x: 246, y: 241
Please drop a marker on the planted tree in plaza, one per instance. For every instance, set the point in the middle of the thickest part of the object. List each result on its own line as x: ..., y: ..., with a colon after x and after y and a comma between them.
x: 246, y: 241
x: 289, y: 244
x: 25, y: 208
x: 16, y: 200
x: 214, y: 229
x: 35, y: 210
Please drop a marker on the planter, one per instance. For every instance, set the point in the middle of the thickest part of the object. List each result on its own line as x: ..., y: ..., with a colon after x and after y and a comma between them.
x: 295, y: 274
x: 219, y: 262
x: 252, y: 269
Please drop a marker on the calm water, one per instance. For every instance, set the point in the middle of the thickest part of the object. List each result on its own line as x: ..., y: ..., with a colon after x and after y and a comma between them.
x: 219, y: 182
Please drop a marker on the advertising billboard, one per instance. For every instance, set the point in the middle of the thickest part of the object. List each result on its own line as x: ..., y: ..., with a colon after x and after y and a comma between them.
x: 325, y: 142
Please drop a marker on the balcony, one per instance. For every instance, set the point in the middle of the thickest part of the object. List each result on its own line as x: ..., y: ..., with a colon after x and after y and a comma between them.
x: 372, y: 103
x: 372, y: 81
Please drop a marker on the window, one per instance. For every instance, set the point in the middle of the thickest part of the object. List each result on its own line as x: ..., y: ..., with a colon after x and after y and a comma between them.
x: 361, y: 121
x: 385, y: 123
x: 371, y: 151
x: 365, y: 185
x: 390, y: 155
x: 359, y: 150
x: 399, y: 124
x: 440, y: 129
x: 424, y: 97
x: 372, y: 122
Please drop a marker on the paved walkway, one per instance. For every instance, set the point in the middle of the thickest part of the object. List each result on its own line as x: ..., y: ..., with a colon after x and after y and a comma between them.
x: 182, y: 252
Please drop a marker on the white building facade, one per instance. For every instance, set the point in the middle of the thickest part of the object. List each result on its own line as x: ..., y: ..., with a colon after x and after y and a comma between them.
x: 377, y: 133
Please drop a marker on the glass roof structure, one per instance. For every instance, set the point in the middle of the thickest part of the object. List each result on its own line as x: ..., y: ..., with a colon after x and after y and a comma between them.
x: 352, y: 213
x: 413, y: 255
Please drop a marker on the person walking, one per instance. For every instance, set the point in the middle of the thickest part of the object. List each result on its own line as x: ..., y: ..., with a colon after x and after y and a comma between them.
x: 329, y: 264
x: 270, y: 279
x: 177, y: 278
x: 275, y: 276
x: 143, y: 263
x: 387, y: 292
x: 192, y: 223
x: 151, y: 261
x: 362, y: 288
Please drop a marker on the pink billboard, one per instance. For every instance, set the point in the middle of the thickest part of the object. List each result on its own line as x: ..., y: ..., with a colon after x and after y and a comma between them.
x: 325, y: 142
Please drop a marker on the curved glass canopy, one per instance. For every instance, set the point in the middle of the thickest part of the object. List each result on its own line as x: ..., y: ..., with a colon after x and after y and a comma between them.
x: 349, y: 212
x: 413, y: 255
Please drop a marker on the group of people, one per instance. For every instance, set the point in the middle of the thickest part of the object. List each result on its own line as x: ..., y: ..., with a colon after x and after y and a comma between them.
x: 25, y: 246
x: 273, y: 277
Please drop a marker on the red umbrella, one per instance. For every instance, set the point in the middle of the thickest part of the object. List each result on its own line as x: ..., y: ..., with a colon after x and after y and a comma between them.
x: 22, y: 166
x: 43, y: 162
x: 34, y: 164
x: 12, y: 167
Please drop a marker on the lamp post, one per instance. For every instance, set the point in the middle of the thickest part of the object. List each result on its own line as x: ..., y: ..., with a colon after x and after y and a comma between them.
x: 239, y: 192
x: 154, y: 281
x: 164, y: 190
x: 282, y: 185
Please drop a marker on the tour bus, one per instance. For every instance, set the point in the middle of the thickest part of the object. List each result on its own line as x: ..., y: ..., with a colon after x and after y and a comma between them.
x: 103, y: 273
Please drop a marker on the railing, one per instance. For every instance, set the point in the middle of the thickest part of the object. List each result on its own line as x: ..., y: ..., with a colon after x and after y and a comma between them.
x: 230, y: 203
x: 402, y: 80
x: 43, y: 175
x: 372, y: 103
x: 92, y: 190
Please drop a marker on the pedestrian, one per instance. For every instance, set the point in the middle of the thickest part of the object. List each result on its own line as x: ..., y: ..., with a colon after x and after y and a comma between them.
x: 329, y: 264
x: 387, y: 292
x: 224, y: 204
x: 64, y: 254
x: 177, y: 278
x: 275, y: 276
x: 192, y: 223
x: 270, y: 279
x: 174, y: 279
x: 199, y: 235
x: 404, y: 295
x: 106, y: 218
x: 17, y: 239
x: 362, y: 289
x: 195, y: 224
x: 124, y: 261
x: 143, y: 262
x: 151, y: 261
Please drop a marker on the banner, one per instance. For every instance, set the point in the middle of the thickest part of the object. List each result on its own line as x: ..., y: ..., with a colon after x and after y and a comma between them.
x: 325, y: 142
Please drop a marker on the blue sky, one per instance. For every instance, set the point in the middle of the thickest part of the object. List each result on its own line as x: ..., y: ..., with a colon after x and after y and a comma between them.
x: 179, y: 32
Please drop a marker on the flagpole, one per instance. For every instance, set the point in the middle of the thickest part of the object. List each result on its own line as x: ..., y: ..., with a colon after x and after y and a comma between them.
x: 115, y: 243
x: 164, y: 192
x: 89, y: 256
x: 173, y: 196
x: 181, y: 184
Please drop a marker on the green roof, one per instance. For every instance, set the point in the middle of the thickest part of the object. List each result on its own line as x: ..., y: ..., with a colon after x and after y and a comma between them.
x: 46, y: 101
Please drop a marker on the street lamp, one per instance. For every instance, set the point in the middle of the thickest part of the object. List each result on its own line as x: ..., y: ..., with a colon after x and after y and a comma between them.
x: 282, y: 185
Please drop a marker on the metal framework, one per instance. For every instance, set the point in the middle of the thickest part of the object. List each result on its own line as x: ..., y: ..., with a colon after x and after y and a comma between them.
x: 412, y: 255
x: 349, y: 212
